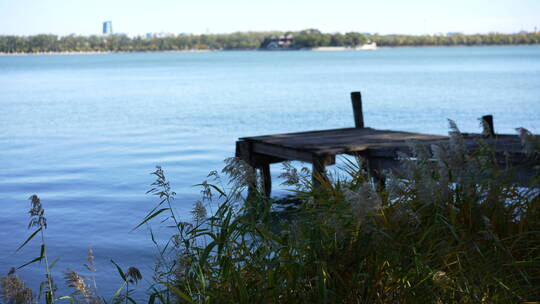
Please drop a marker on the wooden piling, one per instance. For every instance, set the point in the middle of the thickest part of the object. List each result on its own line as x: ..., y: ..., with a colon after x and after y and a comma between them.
x: 317, y: 172
x: 356, y: 99
x: 252, y: 185
x: 267, y: 179
x: 487, y: 125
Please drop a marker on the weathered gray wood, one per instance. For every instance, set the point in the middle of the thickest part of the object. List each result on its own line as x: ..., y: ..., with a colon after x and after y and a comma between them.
x: 356, y: 98
x: 487, y: 124
x: 260, y: 159
x: 245, y: 152
x: 267, y: 179
x: 303, y: 146
x: 281, y: 152
x: 344, y: 139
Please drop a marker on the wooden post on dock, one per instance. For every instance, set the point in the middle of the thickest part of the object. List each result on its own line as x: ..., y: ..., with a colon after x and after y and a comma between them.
x: 487, y: 125
x: 356, y: 99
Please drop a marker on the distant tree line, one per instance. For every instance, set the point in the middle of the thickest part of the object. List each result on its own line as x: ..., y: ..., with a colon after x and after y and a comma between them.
x: 457, y: 39
x: 243, y: 40
x: 123, y: 43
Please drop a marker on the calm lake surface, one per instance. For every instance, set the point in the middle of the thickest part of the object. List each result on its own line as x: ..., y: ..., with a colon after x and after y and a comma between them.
x: 84, y: 132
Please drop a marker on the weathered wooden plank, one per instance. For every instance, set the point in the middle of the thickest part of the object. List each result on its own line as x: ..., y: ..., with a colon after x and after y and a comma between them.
x: 298, y: 133
x: 260, y: 159
x: 361, y: 135
x: 315, y: 134
x: 330, y: 143
x: 256, y: 160
x: 281, y: 152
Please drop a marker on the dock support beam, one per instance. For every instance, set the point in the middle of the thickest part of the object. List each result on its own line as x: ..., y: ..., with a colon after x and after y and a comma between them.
x: 356, y: 99
x: 267, y: 179
x: 375, y: 169
x: 318, y: 172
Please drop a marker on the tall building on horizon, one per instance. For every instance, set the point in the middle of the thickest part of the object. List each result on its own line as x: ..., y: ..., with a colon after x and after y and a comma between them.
x: 107, y: 28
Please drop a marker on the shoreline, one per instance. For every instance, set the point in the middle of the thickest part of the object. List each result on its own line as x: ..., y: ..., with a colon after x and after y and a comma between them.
x: 74, y: 53
x: 318, y: 49
x: 450, y: 46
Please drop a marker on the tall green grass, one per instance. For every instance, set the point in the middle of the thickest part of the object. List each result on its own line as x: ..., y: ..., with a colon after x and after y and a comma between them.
x: 452, y: 226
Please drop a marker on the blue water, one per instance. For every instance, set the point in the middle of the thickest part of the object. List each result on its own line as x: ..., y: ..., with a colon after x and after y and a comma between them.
x: 84, y: 132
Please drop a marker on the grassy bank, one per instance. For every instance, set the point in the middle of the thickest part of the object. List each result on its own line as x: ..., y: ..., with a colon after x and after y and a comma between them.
x: 450, y: 227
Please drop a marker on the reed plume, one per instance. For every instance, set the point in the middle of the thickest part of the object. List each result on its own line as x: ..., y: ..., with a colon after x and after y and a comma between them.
x: 14, y: 291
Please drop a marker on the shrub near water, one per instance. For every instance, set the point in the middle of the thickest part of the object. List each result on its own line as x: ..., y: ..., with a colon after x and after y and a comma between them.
x: 453, y: 228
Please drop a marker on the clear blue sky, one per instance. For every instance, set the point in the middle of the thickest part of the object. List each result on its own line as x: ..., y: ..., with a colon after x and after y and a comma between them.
x: 27, y: 17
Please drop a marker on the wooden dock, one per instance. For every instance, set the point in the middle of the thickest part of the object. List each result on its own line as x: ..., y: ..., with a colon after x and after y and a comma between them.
x: 378, y: 147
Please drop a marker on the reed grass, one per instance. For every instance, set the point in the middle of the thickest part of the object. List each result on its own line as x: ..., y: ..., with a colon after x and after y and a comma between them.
x: 452, y: 226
